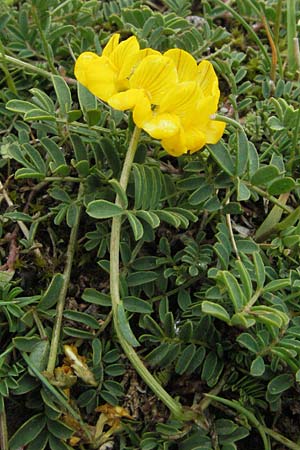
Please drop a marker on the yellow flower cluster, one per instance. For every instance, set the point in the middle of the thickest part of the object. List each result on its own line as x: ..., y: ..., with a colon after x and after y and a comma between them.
x: 172, y: 98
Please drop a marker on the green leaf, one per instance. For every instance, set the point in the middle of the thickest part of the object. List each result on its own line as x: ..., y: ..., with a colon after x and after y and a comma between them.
x: 280, y: 384
x: 243, y: 193
x: 184, y: 299
x: 149, y: 217
x: 271, y: 221
x: 86, y: 99
x: 63, y: 93
x: 57, y: 444
x: 60, y: 195
x: 102, y: 209
x: 91, y: 295
x: 281, y: 186
x: 140, y: 278
x: 35, y: 157
x: 110, y: 151
x: 136, y: 305
x: 209, y: 366
x: 259, y: 270
x: 289, y: 220
x: 80, y: 334
x: 38, y: 114
x: 222, y: 156
x: 139, y: 177
x: 39, y: 443
x: 186, y: 331
x: 136, y: 226
x: 248, y: 341
x: 158, y: 354
x: 264, y: 175
x: 20, y: 106
x: 72, y: 214
x: 125, y: 327
x: 79, y: 147
x: 275, y: 124
x: 26, y: 344
x: 81, y: 317
x: 59, y: 429
x: 185, y: 359
x: 242, y: 154
x: 169, y: 217
x: 201, y: 194
x: 215, y: 310
x: 23, y: 173
x: 39, y: 355
x: 28, y: 432
x: 269, y: 316
x: 245, y: 279
x: 16, y: 215
x: 153, y: 326
x: 56, y: 155
x: 258, y: 367
x: 42, y: 99
x: 234, y: 290
x: 120, y: 192
x: 275, y: 285
x: 253, y: 162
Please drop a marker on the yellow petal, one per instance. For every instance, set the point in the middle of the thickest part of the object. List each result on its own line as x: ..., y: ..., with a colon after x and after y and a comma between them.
x: 181, y: 99
x: 185, y: 64
x: 199, y: 114
x: 162, y: 126
x: 124, y: 56
x: 156, y: 75
x: 111, y: 45
x: 207, y: 79
x: 214, y: 131
x: 147, y: 52
x: 195, y: 139
x: 175, y: 145
x: 125, y: 100
x: 96, y: 74
x: 142, y: 111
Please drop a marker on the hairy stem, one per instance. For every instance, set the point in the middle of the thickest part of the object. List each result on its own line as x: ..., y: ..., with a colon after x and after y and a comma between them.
x: 129, y: 351
x: 62, y: 295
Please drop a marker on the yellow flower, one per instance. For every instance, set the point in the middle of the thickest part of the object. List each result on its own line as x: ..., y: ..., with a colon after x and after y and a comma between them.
x: 183, y: 117
x: 172, y: 98
x: 108, y: 74
x: 151, y: 80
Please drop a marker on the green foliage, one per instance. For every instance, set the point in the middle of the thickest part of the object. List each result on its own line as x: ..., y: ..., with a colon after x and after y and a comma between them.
x: 209, y: 252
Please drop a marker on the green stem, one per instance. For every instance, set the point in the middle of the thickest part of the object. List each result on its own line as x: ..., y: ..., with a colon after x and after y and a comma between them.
x: 291, y: 34
x: 277, y: 22
x: 24, y: 65
x: 10, y: 82
x: 62, y: 295
x: 230, y: 121
x: 283, y: 440
x: 296, y: 134
x: 3, y: 427
x: 57, y: 394
x: 45, y: 44
x: 269, y: 197
x: 133, y: 357
x: 39, y: 324
x: 250, y: 416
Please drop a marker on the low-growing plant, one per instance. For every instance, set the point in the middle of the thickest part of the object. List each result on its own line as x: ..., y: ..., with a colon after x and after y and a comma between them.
x: 149, y: 276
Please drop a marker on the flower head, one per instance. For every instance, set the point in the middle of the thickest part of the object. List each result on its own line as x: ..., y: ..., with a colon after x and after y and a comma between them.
x: 172, y: 97
x: 183, y: 119
x: 108, y: 74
